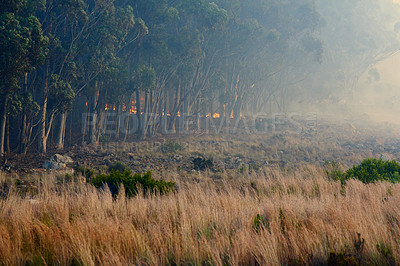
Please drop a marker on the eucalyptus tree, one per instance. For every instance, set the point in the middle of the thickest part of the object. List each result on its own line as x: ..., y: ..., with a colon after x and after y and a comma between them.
x: 23, y: 48
x: 261, y: 34
x: 115, y: 40
x: 64, y: 22
x: 195, y: 49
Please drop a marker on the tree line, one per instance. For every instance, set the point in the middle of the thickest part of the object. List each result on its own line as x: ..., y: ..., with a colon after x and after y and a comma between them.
x: 63, y: 59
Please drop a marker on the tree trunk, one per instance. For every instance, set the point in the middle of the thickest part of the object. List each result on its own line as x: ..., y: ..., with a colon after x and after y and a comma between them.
x: 174, y: 111
x: 164, y: 124
x: 99, y: 126
x: 138, y: 112
x: 118, y: 122
x: 185, y: 115
x: 42, y: 147
x: 8, y: 135
x: 143, y: 131
x: 156, y: 117
x: 93, y: 123
x: 3, y: 124
x: 61, y: 131
x: 23, y: 143
x: 198, y: 121
x: 92, y: 129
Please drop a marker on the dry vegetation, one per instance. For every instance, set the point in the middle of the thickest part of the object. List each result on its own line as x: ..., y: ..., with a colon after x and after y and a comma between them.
x: 269, y: 217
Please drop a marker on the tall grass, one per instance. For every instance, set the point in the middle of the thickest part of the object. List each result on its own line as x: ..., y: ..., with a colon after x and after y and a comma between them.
x: 302, y: 218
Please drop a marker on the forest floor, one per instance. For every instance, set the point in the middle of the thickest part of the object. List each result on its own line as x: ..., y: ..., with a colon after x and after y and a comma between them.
x: 346, y: 144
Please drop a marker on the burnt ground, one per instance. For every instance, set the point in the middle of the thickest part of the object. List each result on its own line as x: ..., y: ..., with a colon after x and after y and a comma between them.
x: 345, y: 143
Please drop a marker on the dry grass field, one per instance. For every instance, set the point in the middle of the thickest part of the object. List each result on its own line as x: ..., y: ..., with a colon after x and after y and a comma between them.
x: 268, y: 217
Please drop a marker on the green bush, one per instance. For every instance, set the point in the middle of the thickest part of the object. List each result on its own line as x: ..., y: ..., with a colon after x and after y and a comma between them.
x: 369, y: 171
x: 373, y: 170
x: 132, y: 182
x: 118, y: 166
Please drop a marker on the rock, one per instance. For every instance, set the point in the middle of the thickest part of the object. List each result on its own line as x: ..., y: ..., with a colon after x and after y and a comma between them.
x: 52, y: 165
x: 57, y: 161
x: 178, y: 158
x: 58, y: 158
x: 68, y: 159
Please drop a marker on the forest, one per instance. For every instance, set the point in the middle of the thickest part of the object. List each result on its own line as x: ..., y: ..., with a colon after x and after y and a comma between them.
x: 199, y: 132
x: 84, y: 71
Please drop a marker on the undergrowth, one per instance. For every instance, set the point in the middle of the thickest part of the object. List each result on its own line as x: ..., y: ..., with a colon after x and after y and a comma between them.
x: 369, y: 171
x: 132, y: 183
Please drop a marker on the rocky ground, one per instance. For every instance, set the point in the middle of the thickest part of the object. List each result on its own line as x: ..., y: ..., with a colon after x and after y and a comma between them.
x: 346, y: 144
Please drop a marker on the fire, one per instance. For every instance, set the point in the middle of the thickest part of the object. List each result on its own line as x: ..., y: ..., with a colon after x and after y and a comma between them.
x: 208, y: 115
x: 232, y: 114
x: 216, y: 115
x: 166, y: 113
x: 178, y: 114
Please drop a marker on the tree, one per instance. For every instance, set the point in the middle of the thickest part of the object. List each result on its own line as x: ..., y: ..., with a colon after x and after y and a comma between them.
x: 23, y: 49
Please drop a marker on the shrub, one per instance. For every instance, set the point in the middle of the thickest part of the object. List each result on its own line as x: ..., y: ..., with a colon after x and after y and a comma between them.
x: 202, y: 164
x: 372, y: 170
x: 369, y: 171
x: 131, y: 182
x: 118, y: 166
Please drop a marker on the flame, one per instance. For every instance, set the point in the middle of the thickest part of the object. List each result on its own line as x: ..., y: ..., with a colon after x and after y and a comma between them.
x: 208, y: 115
x: 178, y: 114
x: 216, y: 115
x: 232, y: 114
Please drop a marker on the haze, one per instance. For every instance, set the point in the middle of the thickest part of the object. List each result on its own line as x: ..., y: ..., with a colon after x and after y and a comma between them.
x: 103, y: 70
